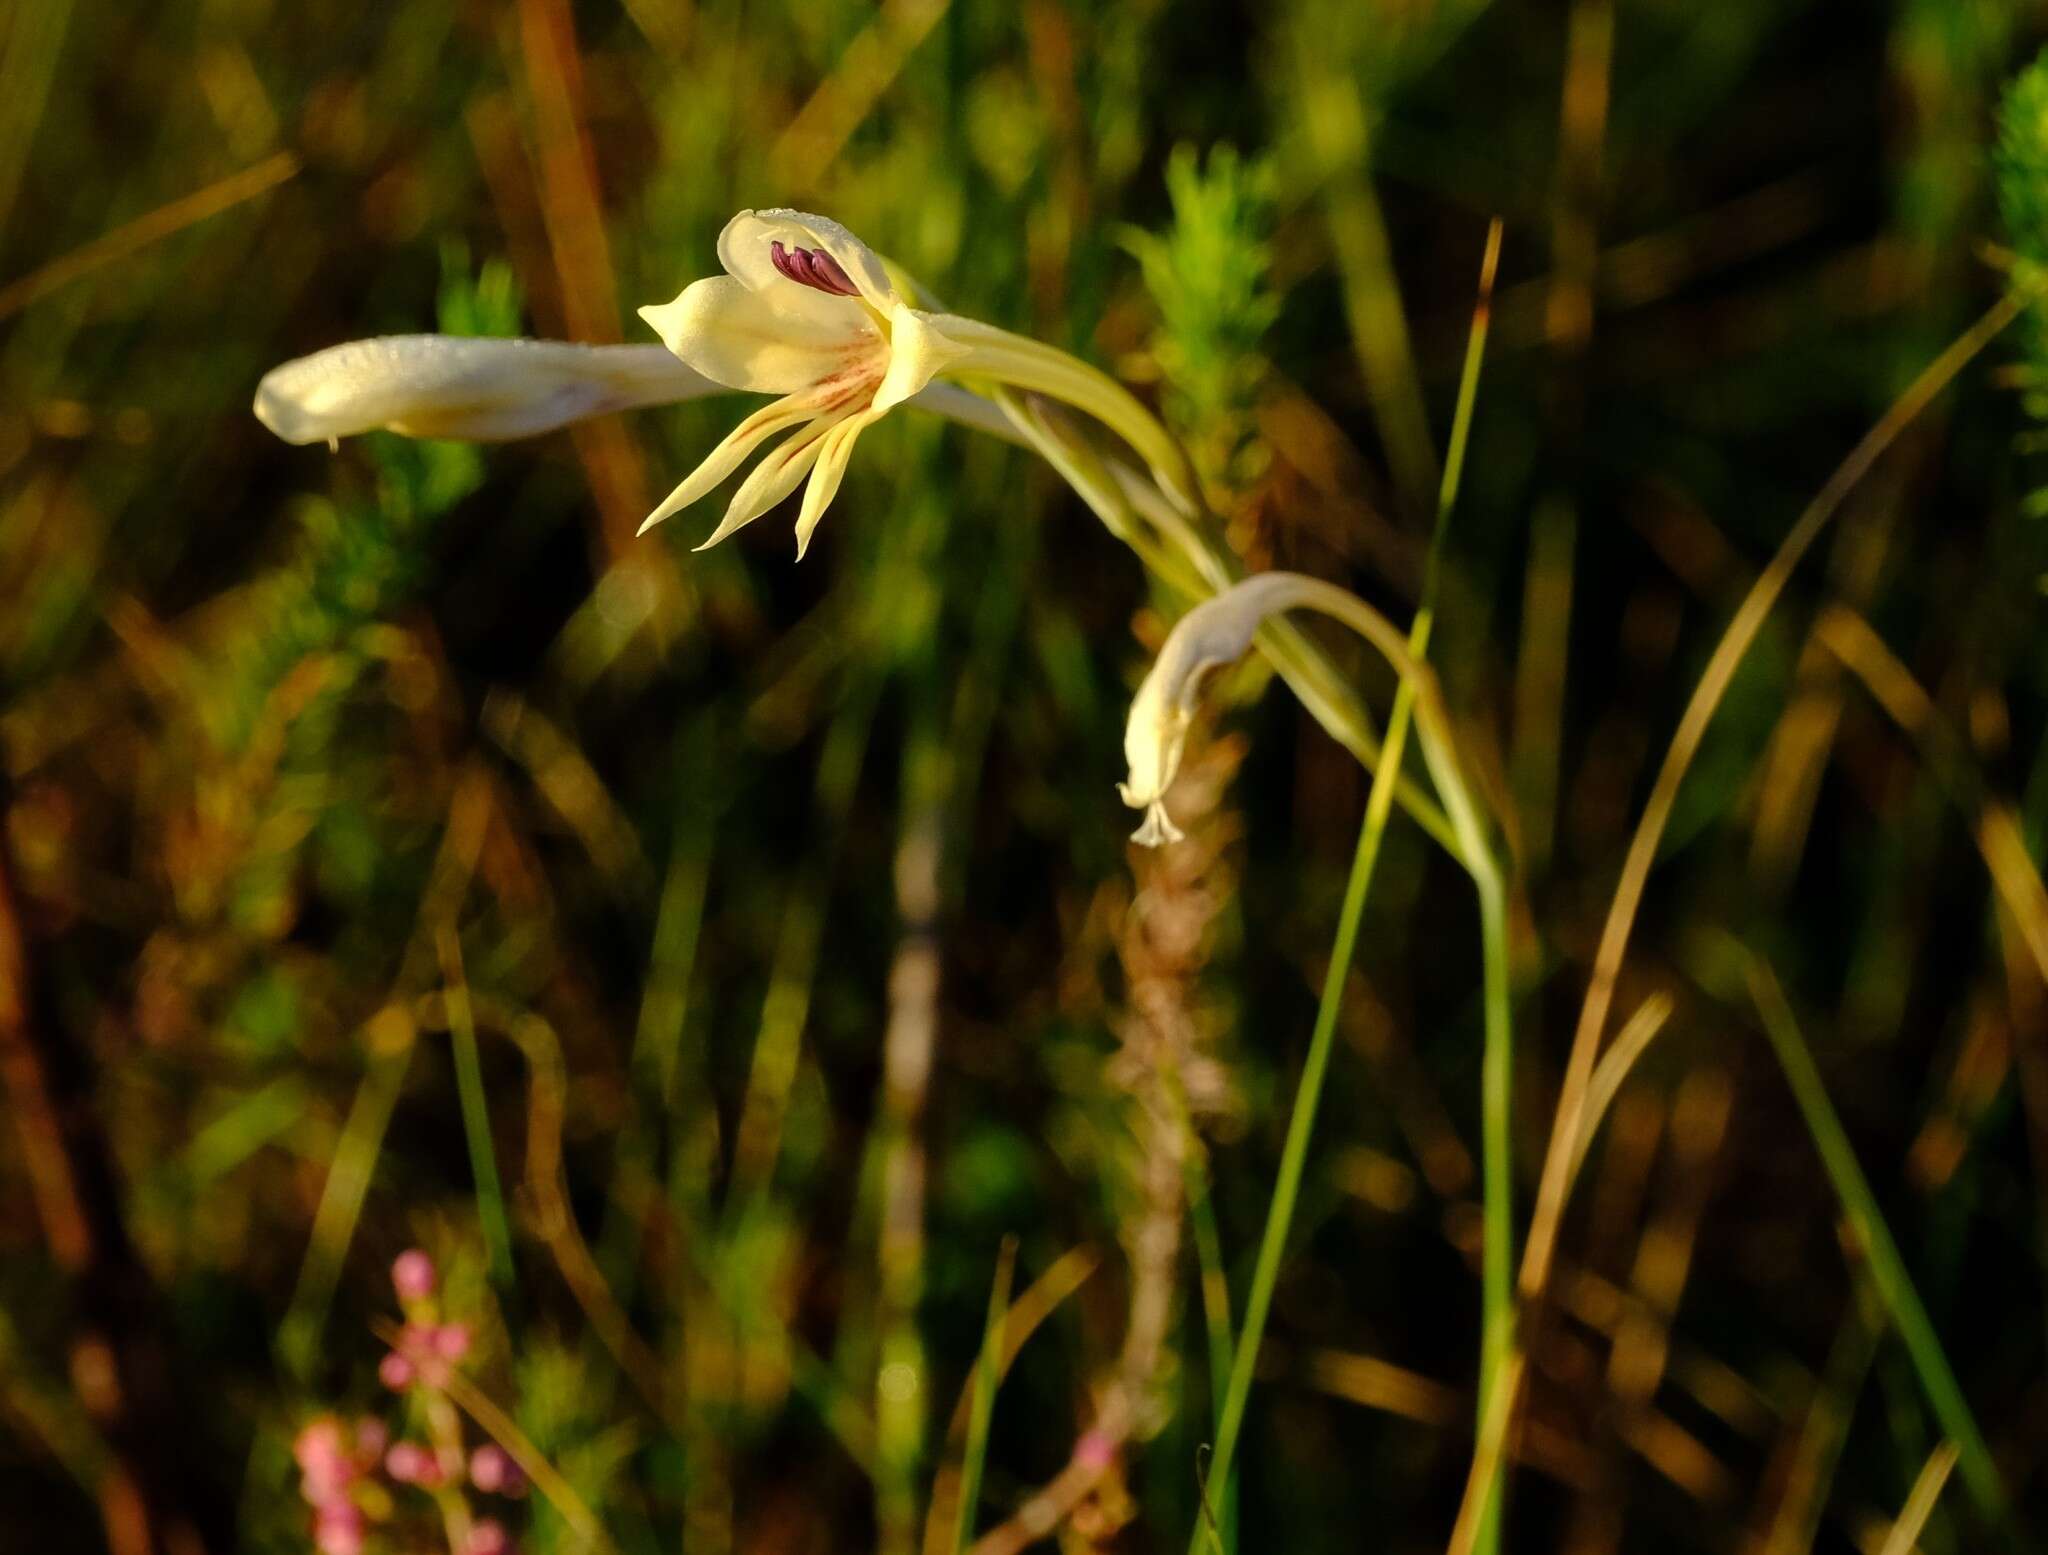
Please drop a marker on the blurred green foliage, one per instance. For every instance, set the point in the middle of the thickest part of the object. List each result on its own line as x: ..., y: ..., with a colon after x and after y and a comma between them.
x: 297, y: 745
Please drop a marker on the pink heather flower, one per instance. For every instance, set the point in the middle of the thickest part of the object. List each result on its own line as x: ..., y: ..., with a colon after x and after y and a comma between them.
x: 411, y: 1464
x: 338, y: 1528
x: 424, y: 1355
x: 1094, y: 1451
x: 487, y: 1536
x: 492, y: 1471
x: 325, y: 1465
x: 412, y: 1275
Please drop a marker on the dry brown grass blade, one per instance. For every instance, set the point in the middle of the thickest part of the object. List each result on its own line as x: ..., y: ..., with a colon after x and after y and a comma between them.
x: 1863, y: 653
x: 1905, y: 1534
x: 572, y: 210
x: 1038, y: 1302
x: 872, y: 61
x: 1614, y: 1067
x: 1488, y: 1454
x: 1685, y: 743
x: 549, y: 1212
x: 1728, y: 655
x: 138, y: 234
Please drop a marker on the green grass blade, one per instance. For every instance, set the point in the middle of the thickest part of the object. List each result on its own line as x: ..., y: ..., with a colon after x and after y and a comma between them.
x: 476, y: 1116
x: 1886, y: 1267
x: 1498, y: 1320
x: 1294, y: 1153
x: 987, y: 1374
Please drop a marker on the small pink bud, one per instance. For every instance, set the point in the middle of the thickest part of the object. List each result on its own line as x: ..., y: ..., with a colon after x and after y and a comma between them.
x: 451, y: 1341
x: 487, y: 1536
x: 492, y: 1471
x: 325, y: 1465
x: 320, y: 1439
x: 412, y: 1275
x: 411, y: 1464
x: 338, y: 1529
x: 1095, y: 1451
x: 396, y: 1372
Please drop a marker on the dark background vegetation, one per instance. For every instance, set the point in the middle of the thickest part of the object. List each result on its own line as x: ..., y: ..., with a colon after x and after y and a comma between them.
x: 294, y: 743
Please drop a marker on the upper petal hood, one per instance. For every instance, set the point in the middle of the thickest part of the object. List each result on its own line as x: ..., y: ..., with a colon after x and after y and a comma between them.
x: 462, y: 387
x: 746, y: 249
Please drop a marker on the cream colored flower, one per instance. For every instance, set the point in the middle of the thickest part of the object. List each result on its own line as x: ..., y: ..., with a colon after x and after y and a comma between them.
x: 806, y: 311
x: 462, y: 387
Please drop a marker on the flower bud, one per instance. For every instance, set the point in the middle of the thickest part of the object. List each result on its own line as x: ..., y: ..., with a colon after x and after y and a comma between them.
x: 492, y: 1471
x: 338, y: 1529
x: 411, y: 1464
x: 412, y: 1275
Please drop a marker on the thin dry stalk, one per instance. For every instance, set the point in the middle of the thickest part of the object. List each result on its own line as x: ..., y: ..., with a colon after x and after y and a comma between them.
x: 134, y: 236
x: 907, y: 1047
x: 1905, y: 1535
x: 1996, y: 827
x: 1164, y: 949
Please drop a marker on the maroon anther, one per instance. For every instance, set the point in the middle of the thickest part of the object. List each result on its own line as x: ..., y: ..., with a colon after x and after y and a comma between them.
x: 812, y: 267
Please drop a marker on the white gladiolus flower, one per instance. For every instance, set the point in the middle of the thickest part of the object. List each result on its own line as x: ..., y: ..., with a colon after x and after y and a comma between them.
x: 1214, y: 633
x: 1219, y: 630
x: 455, y: 386
x: 807, y: 311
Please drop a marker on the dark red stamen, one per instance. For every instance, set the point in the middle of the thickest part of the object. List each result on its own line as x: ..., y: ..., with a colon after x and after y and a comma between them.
x: 831, y: 274
x: 812, y: 267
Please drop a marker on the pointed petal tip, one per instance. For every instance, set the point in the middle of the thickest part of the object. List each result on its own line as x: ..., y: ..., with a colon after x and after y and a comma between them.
x: 1158, y: 828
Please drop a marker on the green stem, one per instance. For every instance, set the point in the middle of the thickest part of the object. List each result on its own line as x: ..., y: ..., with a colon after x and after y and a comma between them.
x: 1192, y: 568
x: 988, y: 1372
x: 476, y: 1117
x: 1417, y: 687
x: 1887, y: 1268
x: 1294, y: 1154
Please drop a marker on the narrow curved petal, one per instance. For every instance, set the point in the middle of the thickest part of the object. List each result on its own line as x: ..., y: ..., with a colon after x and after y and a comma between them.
x: 743, y: 248
x: 918, y: 352
x: 1157, y: 829
x: 728, y: 456
x: 774, y: 478
x: 745, y: 340
x: 460, y: 387
x: 830, y: 470
x: 1154, y: 735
